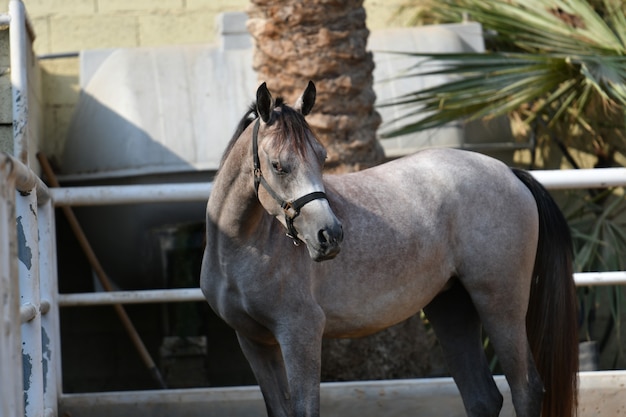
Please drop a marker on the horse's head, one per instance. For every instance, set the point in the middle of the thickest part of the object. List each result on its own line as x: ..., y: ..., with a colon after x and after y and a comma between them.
x: 288, y: 163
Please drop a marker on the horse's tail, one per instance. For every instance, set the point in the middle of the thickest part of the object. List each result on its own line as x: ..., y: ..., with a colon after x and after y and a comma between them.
x: 551, y: 321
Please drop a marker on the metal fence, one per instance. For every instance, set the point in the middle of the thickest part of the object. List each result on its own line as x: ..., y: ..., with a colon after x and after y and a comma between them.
x: 29, y: 339
x: 30, y: 366
x: 29, y: 295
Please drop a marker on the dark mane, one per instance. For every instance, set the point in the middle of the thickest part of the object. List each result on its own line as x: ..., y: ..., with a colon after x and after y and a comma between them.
x: 245, y: 121
x: 288, y: 123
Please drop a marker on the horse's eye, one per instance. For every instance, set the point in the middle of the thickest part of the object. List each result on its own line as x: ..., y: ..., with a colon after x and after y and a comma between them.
x: 278, y: 168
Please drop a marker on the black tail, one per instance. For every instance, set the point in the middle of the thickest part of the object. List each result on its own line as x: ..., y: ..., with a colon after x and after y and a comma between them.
x: 551, y: 321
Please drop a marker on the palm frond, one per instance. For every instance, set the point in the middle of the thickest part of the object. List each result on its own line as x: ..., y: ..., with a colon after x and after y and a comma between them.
x: 567, y: 56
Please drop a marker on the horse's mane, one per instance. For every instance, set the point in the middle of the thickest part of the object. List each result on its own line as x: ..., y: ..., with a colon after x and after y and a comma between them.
x: 289, y: 123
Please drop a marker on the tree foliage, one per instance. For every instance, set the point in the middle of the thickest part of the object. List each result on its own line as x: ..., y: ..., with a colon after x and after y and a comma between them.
x: 561, y: 62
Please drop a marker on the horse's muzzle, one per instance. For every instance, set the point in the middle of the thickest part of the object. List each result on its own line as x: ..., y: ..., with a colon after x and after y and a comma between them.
x: 328, y: 243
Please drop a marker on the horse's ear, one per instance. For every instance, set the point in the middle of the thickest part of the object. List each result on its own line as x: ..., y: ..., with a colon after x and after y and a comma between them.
x: 306, y: 101
x: 264, y: 103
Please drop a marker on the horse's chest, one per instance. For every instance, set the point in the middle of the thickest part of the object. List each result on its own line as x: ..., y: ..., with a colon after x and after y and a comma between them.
x: 245, y: 301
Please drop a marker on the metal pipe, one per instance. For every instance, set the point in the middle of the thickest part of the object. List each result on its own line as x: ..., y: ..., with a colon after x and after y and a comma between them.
x: 30, y: 291
x: 179, y: 192
x: 177, y: 295
x: 130, y: 194
x: 601, y: 394
x: 11, y: 394
x: 59, y: 55
x: 19, y: 79
x: 25, y: 179
x: 49, y: 309
x: 14, y: 357
x: 600, y: 278
x: 131, y: 297
x: 581, y: 178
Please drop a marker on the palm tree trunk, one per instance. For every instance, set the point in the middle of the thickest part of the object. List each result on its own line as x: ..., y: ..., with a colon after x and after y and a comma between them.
x: 324, y: 41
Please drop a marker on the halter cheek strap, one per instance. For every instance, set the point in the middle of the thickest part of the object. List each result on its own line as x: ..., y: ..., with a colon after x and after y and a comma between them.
x: 291, y: 209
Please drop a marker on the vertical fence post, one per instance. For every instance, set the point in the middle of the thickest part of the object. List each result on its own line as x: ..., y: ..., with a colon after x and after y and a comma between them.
x: 28, y: 269
x: 26, y: 220
x: 50, y: 328
x: 11, y: 397
x: 18, y: 36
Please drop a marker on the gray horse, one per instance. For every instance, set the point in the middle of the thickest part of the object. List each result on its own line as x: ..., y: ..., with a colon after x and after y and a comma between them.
x: 473, y: 243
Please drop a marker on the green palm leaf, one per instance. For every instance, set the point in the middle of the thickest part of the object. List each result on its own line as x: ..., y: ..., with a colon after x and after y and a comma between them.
x: 569, y: 57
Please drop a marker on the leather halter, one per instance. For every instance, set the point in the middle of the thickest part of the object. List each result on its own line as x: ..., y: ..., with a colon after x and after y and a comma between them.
x: 291, y: 209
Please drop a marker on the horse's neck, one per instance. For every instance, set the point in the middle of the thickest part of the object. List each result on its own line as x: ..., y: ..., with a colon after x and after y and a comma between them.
x: 233, y: 210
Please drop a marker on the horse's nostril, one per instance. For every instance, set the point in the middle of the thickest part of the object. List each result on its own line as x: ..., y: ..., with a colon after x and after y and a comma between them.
x: 330, y: 236
x: 322, y: 236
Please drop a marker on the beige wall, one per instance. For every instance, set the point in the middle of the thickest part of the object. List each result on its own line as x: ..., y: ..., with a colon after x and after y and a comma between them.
x: 71, y: 25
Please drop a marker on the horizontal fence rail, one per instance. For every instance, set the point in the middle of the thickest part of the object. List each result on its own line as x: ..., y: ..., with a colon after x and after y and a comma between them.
x: 177, y: 295
x: 131, y: 297
x: 562, y: 179
x: 163, y: 193
x: 131, y: 194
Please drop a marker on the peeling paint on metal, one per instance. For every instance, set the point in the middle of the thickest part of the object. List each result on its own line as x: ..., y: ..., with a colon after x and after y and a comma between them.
x: 46, y: 356
x: 27, y: 364
x: 24, y: 254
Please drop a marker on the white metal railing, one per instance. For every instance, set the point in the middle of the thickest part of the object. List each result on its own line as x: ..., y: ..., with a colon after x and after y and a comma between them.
x: 131, y: 194
x: 29, y: 299
x: 195, y: 294
x: 29, y: 332
x: 39, y: 311
x: 29, y: 340
x: 10, y: 316
x: 36, y: 307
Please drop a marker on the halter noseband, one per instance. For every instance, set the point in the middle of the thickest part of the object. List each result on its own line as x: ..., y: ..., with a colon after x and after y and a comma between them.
x: 290, y: 208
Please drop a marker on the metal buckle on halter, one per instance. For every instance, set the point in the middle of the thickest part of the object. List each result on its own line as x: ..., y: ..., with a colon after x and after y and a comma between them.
x: 295, y: 240
x: 290, y: 214
x: 289, y: 210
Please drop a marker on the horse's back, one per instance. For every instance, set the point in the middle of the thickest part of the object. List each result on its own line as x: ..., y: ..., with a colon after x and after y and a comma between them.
x: 449, y: 188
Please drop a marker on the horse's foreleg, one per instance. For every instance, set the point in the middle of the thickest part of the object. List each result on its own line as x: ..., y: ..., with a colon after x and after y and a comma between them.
x: 269, y: 369
x: 457, y: 326
x: 301, y: 343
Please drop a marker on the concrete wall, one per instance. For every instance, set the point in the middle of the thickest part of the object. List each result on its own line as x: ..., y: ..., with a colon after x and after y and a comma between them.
x: 72, y: 25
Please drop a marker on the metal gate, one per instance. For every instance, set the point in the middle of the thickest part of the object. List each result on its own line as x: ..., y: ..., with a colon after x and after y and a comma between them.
x: 31, y: 302
x: 30, y: 366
